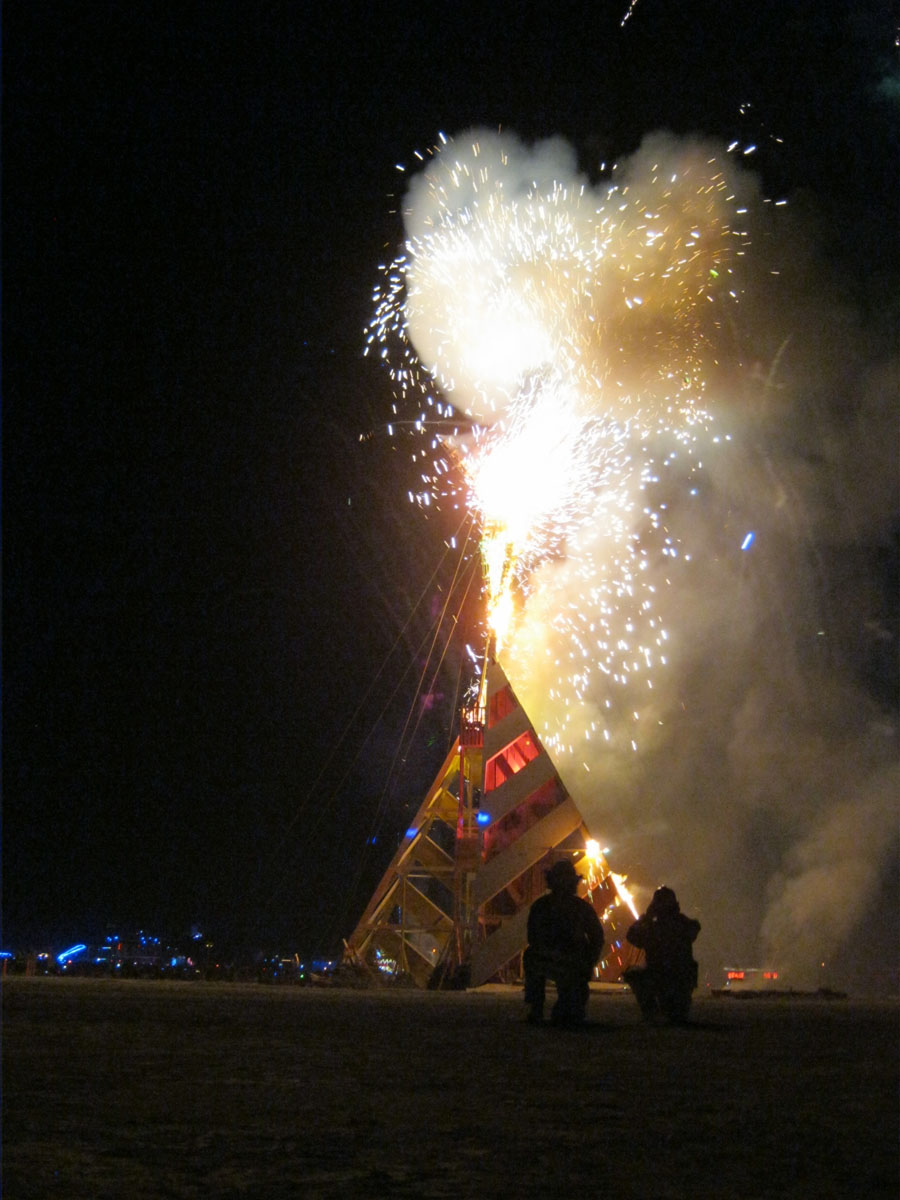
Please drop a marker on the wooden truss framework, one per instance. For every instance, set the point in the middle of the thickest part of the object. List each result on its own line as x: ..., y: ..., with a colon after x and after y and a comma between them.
x: 452, y: 907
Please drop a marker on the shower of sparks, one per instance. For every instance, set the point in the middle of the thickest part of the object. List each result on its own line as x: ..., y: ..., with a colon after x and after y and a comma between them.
x: 569, y: 331
x: 596, y: 869
x: 624, y: 895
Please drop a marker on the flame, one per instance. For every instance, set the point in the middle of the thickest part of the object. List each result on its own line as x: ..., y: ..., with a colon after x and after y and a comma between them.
x: 499, y: 558
x: 624, y: 895
x: 521, y: 482
x: 598, y: 870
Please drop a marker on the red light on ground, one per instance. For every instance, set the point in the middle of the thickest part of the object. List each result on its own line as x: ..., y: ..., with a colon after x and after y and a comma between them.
x: 735, y: 974
x: 770, y: 974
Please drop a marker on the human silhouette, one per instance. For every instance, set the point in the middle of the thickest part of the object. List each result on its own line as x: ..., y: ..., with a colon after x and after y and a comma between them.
x: 663, y: 987
x: 565, y: 938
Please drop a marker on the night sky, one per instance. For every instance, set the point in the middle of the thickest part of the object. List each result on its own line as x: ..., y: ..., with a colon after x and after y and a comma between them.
x: 217, y: 597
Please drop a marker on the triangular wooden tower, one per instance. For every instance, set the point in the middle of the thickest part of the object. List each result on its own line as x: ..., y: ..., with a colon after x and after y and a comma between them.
x: 452, y: 907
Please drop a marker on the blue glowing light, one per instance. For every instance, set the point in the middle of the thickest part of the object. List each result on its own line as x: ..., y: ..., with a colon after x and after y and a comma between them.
x: 483, y: 818
x: 412, y: 831
x: 71, y: 952
x: 748, y: 541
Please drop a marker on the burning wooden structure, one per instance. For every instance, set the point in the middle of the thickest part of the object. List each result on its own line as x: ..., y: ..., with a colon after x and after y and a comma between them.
x: 452, y: 907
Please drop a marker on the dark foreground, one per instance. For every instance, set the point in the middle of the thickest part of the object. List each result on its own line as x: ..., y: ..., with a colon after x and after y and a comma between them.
x: 140, y: 1089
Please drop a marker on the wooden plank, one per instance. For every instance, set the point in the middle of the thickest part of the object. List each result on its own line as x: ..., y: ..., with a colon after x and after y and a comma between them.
x: 503, y: 944
x: 518, y: 787
x: 526, y: 850
x: 513, y: 725
x: 431, y: 857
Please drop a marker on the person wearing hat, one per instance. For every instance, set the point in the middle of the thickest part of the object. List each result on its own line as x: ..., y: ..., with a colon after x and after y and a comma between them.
x: 565, y: 938
x: 663, y: 987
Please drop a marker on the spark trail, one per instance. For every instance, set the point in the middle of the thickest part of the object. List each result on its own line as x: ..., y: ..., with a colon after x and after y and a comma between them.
x: 573, y: 331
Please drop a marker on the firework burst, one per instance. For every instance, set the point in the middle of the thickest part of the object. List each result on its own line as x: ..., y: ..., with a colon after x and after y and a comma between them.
x: 571, y: 330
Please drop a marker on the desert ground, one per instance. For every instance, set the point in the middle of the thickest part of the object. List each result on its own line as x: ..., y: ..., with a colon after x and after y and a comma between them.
x: 145, y: 1089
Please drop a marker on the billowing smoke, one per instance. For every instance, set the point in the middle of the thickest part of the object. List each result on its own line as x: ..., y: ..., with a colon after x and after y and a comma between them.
x: 749, y: 761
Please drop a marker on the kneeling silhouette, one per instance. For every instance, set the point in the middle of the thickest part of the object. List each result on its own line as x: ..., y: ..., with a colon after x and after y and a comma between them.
x: 664, y: 986
x: 565, y: 938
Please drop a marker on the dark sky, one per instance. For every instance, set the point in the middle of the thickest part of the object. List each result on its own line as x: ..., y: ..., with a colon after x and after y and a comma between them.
x: 205, y: 569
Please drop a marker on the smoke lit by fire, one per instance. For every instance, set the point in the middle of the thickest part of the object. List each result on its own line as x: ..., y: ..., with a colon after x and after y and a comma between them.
x: 616, y: 400
x: 574, y: 329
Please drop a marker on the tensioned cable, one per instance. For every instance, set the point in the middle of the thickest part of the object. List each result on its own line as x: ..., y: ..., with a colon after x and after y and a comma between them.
x: 322, y: 812
x: 437, y: 629
x: 368, y: 692
x: 350, y: 891
x: 406, y: 737
x: 381, y: 808
x: 342, y: 738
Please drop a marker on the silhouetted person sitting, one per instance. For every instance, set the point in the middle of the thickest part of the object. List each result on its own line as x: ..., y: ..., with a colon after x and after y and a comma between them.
x: 666, y: 935
x: 565, y: 938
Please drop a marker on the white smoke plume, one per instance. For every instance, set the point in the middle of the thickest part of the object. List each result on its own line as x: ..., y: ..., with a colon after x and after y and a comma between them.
x: 765, y: 777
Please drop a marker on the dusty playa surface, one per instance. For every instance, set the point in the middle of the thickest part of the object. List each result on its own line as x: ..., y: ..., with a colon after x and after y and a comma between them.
x: 144, y: 1089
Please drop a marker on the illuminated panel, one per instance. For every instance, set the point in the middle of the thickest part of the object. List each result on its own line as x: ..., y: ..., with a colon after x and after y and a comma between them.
x: 504, y: 799
x: 526, y: 850
x: 510, y: 761
x: 501, y: 705
x: 521, y: 818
